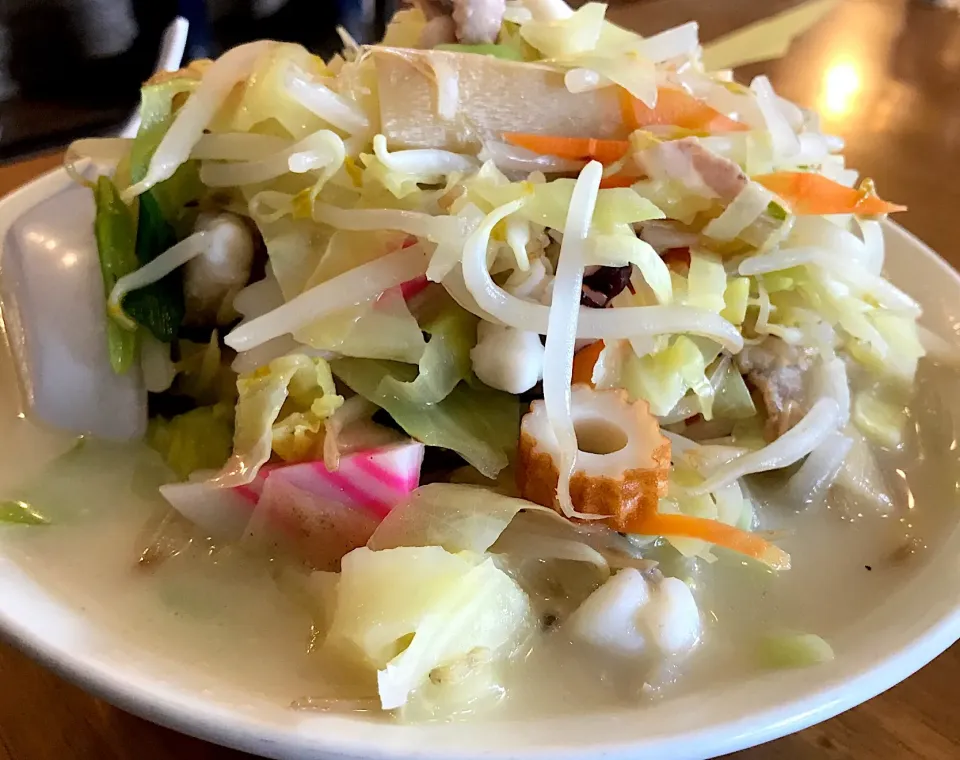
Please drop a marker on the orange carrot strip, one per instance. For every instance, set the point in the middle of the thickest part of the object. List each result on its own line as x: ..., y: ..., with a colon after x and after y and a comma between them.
x: 584, y: 361
x: 618, y: 180
x: 675, y: 108
x: 714, y: 532
x: 577, y: 148
x: 808, y: 193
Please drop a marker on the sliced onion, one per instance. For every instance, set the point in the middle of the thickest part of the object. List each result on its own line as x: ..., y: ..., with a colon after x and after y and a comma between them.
x: 562, y: 329
x: 218, y: 81
x: 351, y: 288
x: 776, y: 261
x: 832, y: 383
x: 330, y: 106
x: 816, y: 426
x: 548, y: 10
x: 937, y: 348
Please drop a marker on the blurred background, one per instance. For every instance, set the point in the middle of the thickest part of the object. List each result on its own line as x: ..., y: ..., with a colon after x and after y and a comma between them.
x: 74, y: 67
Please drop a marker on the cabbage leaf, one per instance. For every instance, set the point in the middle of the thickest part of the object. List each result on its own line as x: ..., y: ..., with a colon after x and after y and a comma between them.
x: 262, y: 395
x: 477, y: 422
x: 445, y: 360
x: 410, y: 610
x: 458, y: 517
x: 200, y: 439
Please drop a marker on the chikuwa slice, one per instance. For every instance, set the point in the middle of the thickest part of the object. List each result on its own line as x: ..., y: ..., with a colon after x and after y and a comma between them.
x: 621, y: 472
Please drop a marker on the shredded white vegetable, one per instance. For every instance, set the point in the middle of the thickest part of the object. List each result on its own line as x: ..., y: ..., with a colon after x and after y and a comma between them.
x: 321, y: 150
x: 818, y: 472
x: 509, y: 158
x: 785, y: 140
x: 234, y: 66
x: 607, y: 324
x: 562, y: 329
x: 157, y: 269
x: 815, y: 427
x: 430, y: 161
x: 351, y: 288
x: 330, y: 106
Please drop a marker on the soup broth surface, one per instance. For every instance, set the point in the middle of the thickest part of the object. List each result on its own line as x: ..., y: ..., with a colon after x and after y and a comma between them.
x: 220, y: 623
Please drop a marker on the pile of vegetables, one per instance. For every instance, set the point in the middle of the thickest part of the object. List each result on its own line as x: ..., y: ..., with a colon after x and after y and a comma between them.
x: 343, y: 279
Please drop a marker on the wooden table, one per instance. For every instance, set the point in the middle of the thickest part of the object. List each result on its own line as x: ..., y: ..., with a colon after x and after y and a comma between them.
x: 886, y: 74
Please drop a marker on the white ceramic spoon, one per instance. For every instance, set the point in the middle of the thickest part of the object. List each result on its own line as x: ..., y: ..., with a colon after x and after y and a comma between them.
x: 52, y: 299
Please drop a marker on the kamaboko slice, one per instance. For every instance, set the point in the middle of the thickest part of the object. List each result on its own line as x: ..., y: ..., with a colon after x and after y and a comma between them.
x: 622, y: 471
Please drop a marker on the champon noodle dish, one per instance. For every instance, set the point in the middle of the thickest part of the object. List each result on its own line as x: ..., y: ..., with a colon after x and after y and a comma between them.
x: 515, y: 333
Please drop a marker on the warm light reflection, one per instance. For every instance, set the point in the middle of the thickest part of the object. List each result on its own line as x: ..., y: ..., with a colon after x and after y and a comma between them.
x: 69, y: 260
x: 841, y: 83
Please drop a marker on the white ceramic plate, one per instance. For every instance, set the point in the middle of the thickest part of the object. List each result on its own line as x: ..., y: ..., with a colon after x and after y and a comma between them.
x: 919, y: 620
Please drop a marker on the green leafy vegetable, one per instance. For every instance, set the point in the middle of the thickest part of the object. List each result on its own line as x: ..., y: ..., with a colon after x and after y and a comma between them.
x: 479, y: 423
x: 159, y: 306
x: 445, y: 361
x: 794, y: 650
x: 173, y: 194
x: 115, y: 231
x: 200, y: 439
x: 776, y: 211
x: 12, y: 511
x: 506, y: 52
